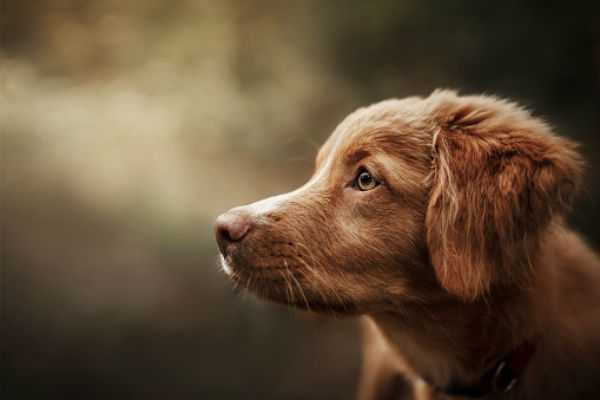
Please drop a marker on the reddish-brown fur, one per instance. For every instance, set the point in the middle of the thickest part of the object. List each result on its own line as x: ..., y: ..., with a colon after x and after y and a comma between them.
x: 455, y: 258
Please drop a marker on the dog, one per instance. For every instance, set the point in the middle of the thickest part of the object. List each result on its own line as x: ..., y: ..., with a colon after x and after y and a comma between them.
x: 439, y: 221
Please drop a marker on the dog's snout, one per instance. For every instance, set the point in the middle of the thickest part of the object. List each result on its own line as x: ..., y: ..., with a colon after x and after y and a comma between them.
x: 230, y: 227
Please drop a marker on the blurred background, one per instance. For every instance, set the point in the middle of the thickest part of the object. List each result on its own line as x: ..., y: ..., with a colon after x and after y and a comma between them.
x: 128, y: 126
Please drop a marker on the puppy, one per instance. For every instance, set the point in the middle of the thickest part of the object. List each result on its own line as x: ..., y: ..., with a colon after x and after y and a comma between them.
x: 440, y: 221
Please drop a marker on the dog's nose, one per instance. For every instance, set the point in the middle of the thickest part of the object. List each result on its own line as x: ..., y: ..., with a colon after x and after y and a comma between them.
x: 229, y: 228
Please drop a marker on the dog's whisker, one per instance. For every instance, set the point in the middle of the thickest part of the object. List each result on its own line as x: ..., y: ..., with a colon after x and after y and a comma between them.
x: 301, y: 291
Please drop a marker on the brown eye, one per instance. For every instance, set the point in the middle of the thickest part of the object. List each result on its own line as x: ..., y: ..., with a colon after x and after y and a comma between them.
x: 365, y: 181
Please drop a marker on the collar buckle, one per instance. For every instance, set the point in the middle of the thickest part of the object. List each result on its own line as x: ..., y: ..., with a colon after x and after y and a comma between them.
x: 503, y: 379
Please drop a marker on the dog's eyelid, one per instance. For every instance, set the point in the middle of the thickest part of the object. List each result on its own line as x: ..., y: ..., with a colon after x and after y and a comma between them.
x: 374, y: 170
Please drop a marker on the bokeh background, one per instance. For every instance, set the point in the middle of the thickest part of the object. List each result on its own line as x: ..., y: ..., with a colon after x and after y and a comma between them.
x: 127, y: 126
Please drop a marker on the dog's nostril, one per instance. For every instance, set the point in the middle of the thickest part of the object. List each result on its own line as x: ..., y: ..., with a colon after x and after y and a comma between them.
x: 223, y: 235
x: 230, y: 227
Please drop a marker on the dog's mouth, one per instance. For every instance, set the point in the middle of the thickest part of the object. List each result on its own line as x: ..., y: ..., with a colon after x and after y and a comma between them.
x: 261, y: 261
x: 284, y: 279
x: 277, y: 278
x: 260, y: 257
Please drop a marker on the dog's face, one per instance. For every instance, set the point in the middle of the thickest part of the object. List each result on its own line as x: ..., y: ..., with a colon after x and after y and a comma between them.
x: 410, y: 199
x: 354, y: 233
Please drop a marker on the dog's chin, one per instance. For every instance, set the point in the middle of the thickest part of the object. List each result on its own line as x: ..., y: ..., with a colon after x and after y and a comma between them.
x: 284, y: 286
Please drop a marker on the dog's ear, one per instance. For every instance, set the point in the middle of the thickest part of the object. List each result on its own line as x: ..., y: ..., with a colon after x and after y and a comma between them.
x: 499, y: 177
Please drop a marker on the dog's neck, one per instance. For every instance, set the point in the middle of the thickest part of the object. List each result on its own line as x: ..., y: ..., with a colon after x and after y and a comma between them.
x: 452, y: 341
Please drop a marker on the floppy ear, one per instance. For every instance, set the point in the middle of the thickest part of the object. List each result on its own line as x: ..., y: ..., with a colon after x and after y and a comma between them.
x: 499, y: 178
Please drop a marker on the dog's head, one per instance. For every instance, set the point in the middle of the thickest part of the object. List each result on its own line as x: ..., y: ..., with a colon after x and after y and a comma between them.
x: 410, y: 199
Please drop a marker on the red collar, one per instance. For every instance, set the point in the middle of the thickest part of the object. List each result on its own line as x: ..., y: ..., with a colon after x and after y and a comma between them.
x: 501, y: 377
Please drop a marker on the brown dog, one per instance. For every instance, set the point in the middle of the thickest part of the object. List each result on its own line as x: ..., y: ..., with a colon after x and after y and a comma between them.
x: 440, y: 220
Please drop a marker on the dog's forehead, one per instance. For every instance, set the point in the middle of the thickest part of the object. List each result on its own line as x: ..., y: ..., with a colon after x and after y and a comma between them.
x: 369, y: 128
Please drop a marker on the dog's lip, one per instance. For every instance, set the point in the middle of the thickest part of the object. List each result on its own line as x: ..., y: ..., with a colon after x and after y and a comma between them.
x: 241, y: 267
x: 240, y: 259
x: 262, y: 268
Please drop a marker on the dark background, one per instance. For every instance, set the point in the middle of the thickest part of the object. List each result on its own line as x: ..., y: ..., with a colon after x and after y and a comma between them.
x: 127, y: 126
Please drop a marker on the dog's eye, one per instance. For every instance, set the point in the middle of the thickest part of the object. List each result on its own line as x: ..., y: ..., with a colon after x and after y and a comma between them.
x: 365, y: 181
